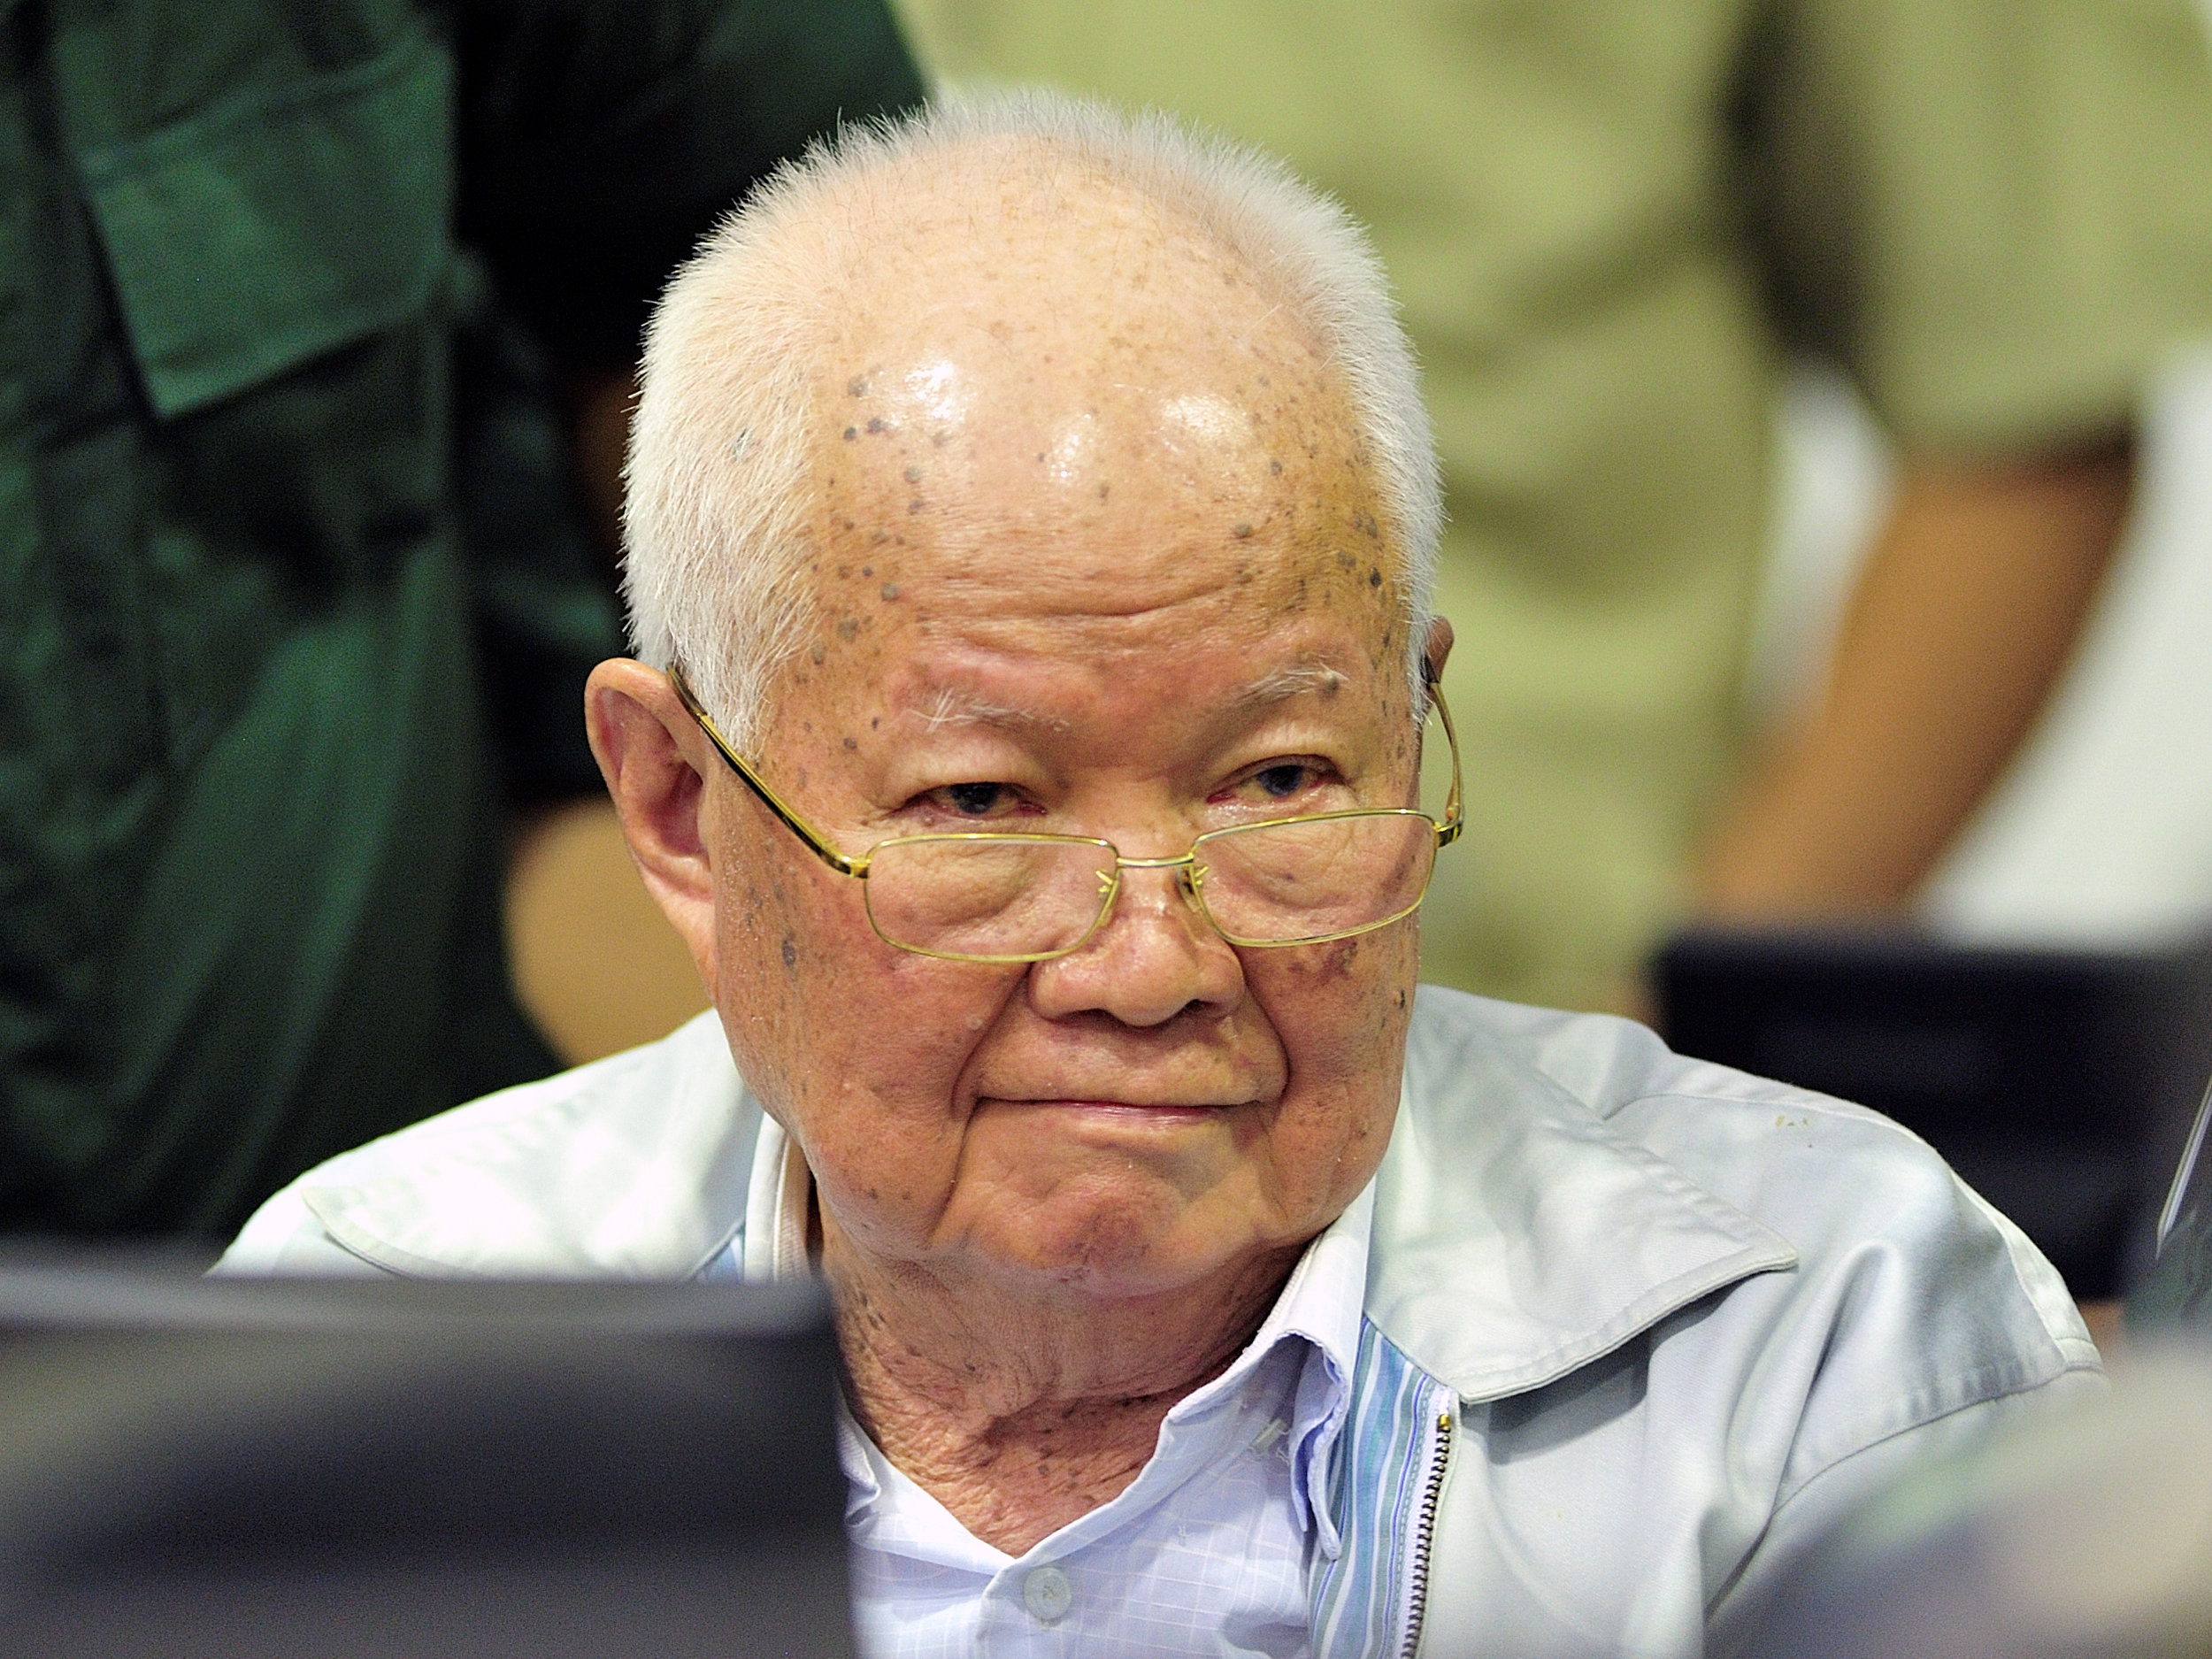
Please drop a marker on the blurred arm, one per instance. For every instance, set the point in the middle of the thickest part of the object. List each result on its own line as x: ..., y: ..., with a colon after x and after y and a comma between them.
x: 593, y: 960
x: 598, y: 142
x: 1966, y: 613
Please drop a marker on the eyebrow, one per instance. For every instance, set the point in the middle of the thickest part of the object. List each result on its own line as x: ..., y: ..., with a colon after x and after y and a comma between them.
x: 1296, y: 679
x: 950, y: 705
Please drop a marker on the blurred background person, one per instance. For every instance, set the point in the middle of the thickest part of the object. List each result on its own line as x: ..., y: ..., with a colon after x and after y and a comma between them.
x: 316, y: 323
x: 1613, y: 228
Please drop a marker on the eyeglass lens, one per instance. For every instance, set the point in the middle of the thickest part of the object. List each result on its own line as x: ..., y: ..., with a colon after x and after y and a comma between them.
x: 1274, y: 883
x: 983, y: 896
x: 1009, y: 898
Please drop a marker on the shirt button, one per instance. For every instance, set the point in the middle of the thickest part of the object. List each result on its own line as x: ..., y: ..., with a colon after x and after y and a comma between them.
x: 1048, y: 1594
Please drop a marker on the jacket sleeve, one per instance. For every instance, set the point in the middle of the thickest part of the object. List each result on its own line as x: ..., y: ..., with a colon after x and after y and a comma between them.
x: 1815, y: 1514
x: 1996, y: 213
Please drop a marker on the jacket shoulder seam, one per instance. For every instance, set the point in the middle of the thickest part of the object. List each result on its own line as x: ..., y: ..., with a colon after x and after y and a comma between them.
x: 1932, y: 1404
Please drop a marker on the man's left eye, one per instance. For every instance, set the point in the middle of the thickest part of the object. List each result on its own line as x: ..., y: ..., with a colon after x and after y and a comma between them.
x: 976, y: 800
x: 1283, y: 781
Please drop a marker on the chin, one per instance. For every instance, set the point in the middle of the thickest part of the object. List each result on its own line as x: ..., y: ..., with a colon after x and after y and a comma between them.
x: 1112, y: 1251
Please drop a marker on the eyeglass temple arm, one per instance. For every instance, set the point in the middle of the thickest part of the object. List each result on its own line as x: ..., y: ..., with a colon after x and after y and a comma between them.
x: 753, y: 780
x: 1454, y: 822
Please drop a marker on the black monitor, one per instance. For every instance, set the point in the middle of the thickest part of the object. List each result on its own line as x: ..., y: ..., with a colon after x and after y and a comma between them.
x: 372, y: 1469
x: 2059, y: 1083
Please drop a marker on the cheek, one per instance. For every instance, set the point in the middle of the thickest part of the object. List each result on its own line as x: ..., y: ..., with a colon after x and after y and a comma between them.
x: 1338, y: 1007
x: 761, y: 990
x: 1333, y: 1003
x: 857, y: 1049
x: 769, y: 901
x: 782, y: 924
x: 884, y: 1125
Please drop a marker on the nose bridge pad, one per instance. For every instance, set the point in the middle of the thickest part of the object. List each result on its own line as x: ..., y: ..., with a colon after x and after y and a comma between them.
x: 1109, y: 890
x: 1193, y: 879
x: 1183, y: 873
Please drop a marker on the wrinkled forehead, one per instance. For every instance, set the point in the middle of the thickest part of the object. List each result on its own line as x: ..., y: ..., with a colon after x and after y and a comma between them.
x: 1051, y: 378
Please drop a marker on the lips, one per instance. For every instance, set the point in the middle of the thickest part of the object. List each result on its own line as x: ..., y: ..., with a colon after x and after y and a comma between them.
x: 1134, y: 1111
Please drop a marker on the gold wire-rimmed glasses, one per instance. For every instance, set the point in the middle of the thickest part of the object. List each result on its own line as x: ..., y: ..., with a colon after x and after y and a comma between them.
x: 990, y: 896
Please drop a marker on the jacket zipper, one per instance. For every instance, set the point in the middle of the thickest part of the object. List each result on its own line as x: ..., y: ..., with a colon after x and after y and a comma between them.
x: 1425, y: 1536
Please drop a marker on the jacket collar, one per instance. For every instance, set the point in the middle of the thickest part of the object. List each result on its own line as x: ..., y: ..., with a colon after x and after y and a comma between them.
x: 1518, y: 1236
x: 634, y: 1167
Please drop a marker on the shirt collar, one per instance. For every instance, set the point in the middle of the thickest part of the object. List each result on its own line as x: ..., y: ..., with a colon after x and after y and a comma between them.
x: 778, y: 1209
x: 1322, y: 1301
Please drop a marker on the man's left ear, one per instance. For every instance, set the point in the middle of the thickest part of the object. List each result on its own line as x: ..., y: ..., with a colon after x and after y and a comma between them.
x: 652, y: 753
x: 1438, y: 648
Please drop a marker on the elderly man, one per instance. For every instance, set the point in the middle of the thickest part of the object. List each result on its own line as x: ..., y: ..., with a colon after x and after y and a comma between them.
x: 1031, y: 526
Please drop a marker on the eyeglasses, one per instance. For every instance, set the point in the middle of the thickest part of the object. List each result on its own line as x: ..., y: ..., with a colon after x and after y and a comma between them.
x: 998, y: 898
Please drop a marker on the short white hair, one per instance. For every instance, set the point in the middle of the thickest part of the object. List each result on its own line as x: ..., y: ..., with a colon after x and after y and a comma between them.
x: 715, y: 571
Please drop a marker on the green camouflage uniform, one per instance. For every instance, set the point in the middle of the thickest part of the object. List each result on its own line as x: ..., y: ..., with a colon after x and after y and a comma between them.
x: 293, y: 599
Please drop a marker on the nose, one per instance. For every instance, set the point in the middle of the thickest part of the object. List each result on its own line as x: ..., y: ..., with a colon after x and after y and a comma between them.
x: 1154, y: 956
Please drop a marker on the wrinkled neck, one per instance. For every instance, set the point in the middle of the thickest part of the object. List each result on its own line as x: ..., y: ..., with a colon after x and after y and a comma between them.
x: 1020, y: 1413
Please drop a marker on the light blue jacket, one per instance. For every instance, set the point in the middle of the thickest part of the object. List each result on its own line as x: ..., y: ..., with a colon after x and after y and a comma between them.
x: 1637, y: 1326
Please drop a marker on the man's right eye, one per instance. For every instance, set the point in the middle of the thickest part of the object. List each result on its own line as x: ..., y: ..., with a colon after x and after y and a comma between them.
x: 988, y: 803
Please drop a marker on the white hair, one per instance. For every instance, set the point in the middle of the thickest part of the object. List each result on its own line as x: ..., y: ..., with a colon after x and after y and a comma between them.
x: 717, y: 554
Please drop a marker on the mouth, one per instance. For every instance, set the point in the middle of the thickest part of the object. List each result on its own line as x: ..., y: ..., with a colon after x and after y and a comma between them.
x: 1104, y: 1112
